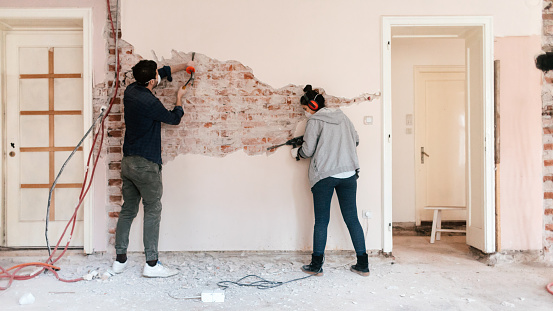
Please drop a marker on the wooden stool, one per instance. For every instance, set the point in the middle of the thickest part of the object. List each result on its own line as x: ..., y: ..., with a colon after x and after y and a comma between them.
x: 437, y: 221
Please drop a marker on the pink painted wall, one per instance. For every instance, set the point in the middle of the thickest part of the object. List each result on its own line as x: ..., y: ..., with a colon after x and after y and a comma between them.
x: 521, y: 143
x: 99, y: 18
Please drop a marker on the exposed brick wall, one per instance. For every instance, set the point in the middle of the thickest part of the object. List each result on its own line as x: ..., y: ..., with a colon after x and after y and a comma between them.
x: 227, y: 110
x: 547, y: 122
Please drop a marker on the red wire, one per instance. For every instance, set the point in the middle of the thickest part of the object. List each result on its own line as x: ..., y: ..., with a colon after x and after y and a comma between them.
x: 4, y: 274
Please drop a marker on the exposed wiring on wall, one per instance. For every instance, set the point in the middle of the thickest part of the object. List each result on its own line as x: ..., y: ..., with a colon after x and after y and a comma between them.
x: 549, y: 288
x: 8, y: 274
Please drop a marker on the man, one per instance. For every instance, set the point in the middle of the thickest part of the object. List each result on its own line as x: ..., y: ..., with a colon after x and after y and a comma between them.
x: 141, y: 164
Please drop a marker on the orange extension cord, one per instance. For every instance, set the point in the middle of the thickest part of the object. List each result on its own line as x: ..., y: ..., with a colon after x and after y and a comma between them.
x: 49, y: 265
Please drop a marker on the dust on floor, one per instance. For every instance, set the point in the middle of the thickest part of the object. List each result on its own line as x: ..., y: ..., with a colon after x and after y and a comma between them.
x: 421, y: 276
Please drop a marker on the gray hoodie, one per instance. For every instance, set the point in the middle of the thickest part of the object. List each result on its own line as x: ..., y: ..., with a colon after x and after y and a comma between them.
x: 330, y: 140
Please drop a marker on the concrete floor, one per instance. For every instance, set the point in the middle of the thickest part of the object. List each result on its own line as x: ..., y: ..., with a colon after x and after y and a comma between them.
x: 421, y: 276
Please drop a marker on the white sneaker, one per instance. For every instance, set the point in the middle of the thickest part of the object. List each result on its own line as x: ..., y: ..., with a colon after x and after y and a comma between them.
x: 118, y: 267
x: 158, y: 271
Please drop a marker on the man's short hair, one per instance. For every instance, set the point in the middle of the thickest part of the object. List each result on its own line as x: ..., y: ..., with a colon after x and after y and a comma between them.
x: 144, y: 71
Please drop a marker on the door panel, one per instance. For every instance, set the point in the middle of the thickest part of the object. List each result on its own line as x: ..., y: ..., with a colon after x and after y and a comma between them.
x: 44, y: 122
x: 440, y: 130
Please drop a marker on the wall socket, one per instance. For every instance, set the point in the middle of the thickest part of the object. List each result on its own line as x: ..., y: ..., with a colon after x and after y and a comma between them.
x: 367, y: 214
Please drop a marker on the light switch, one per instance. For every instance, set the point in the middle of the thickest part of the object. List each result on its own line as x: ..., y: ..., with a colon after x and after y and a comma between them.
x: 409, y: 119
x: 368, y: 120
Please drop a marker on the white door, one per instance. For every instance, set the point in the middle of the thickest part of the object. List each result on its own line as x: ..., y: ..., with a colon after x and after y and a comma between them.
x: 44, y: 123
x: 480, y: 151
x: 440, y: 141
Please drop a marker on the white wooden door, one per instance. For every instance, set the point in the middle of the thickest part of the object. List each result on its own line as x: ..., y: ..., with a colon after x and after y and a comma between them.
x: 44, y: 123
x: 440, y: 141
x: 480, y: 153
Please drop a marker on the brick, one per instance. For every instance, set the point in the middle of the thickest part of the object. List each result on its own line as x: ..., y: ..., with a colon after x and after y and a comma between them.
x: 252, y: 124
x: 115, y: 149
x: 113, y: 214
x: 114, y: 117
x: 548, y: 147
x: 549, y: 227
x: 227, y: 149
x: 115, y: 133
x: 115, y: 199
x: 253, y: 149
x: 115, y: 182
x: 254, y: 141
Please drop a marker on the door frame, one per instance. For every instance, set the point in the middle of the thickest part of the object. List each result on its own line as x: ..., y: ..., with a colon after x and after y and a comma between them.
x: 486, y: 24
x: 85, y: 15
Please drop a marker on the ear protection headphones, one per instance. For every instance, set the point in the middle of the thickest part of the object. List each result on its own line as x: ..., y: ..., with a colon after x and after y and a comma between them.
x: 312, y: 103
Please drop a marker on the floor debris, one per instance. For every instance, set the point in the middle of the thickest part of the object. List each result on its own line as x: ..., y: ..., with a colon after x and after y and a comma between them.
x: 423, y: 276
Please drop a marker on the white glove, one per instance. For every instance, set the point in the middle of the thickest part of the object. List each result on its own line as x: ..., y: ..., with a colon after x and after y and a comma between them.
x: 294, y: 152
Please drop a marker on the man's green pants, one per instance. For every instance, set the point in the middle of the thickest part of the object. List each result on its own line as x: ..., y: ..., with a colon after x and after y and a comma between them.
x: 141, y: 180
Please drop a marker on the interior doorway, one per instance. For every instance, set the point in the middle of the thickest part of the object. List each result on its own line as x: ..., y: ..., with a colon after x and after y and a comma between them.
x: 464, y: 44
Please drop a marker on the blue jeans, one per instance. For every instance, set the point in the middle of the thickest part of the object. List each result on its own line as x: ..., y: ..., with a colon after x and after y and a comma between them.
x: 141, y: 180
x: 346, y: 189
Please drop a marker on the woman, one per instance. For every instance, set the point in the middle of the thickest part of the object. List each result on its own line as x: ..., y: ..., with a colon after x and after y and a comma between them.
x: 330, y: 140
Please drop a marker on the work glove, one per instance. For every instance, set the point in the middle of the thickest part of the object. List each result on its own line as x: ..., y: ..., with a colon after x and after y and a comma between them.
x: 294, y: 152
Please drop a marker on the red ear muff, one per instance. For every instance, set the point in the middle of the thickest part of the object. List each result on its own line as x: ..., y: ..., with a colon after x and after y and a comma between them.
x: 311, y: 103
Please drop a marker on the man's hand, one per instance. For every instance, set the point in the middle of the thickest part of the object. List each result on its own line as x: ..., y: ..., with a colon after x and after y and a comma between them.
x: 182, y: 66
x: 180, y: 95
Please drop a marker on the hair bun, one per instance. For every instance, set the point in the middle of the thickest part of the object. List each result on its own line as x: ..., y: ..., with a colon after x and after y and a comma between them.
x: 307, y: 88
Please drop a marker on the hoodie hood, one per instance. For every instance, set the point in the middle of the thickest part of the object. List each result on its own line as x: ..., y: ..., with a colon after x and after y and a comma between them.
x: 332, y: 116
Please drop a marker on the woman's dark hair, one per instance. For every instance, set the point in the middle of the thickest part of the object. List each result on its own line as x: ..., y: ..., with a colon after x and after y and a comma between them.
x: 311, y: 94
x: 144, y: 71
x: 544, y: 62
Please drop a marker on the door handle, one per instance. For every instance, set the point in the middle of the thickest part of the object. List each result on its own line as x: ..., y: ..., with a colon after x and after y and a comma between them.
x: 423, y: 154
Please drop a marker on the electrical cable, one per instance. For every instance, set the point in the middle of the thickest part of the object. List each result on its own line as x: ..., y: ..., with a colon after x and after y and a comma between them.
x: 261, y: 283
x: 83, y: 192
x: 549, y: 288
x: 4, y: 274
x: 59, y: 174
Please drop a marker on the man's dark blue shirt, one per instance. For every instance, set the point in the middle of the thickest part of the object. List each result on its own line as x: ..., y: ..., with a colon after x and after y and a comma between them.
x: 143, y: 116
